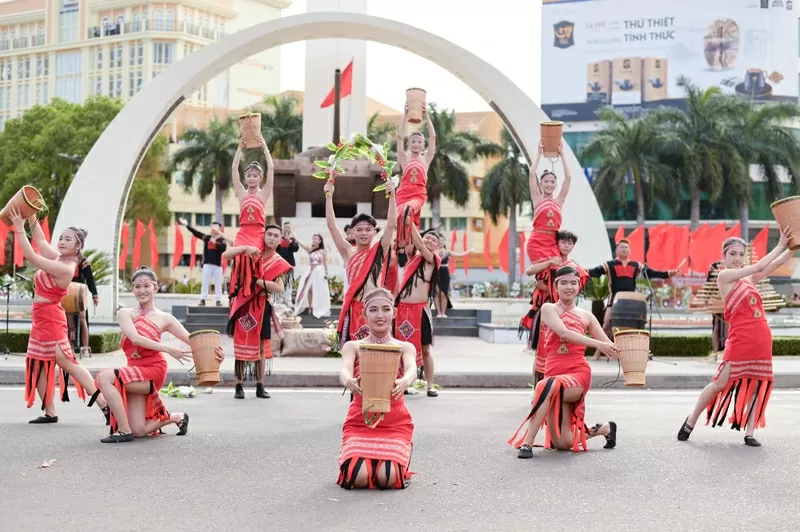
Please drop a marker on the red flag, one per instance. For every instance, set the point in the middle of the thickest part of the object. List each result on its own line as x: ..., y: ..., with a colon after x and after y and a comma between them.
x: 736, y: 231
x: 659, y: 252
x: 178, y: 246
x: 192, y: 257
x: 487, y: 250
x: 346, y: 87
x: 522, y: 255
x: 153, y: 246
x: 46, y: 229
x: 3, y: 240
x: 619, y: 235
x: 707, y: 247
x: 19, y: 258
x: 759, y: 244
x: 636, y: 242
x: 452, y: 264
x: 681, y: 247
x: 137, y: 244
x: 466, y: 257
x: 503, y: 252
x: 124, y: 238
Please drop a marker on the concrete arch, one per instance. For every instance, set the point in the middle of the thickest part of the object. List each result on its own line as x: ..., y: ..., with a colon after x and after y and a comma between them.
x: 97, y: 197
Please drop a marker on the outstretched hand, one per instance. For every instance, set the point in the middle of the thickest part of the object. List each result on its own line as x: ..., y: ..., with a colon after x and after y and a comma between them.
x: 328, y: 188
x: 179, y: 354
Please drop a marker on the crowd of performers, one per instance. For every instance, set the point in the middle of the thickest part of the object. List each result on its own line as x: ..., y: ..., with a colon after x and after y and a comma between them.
x: 391, y: 276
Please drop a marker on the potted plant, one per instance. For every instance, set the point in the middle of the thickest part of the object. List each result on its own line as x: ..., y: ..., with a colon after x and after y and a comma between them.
x: 597, y: 291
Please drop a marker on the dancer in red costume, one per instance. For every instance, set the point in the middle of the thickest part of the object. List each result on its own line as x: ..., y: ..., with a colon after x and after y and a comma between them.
x: 364, y: 262
x: 132, y: 391
x: 559, y: 398
x: 252, y: 218
x: 414, y: 322
x: 252, y: 321
x: 542, y: 244
x: 744, y: 378
x: 413, y: 190
x: 377, y: 457
x: 49, y: 344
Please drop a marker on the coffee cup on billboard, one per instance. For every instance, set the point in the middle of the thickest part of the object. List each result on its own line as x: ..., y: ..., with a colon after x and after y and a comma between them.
x: 755, y: 83
x: 656, y: 83
x: 594, y: 86
x: 625, y: 85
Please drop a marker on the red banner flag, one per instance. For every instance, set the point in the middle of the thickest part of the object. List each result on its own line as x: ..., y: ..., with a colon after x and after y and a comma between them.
x: 736, y: 231
x: 503, y: 252
x: 487, y: 250
x: 707, y: 247
x: 19, y: 258
x: 452, y: 264
x: 178, y: 246
x: 522, y: 255
x: 3, y: 241
x: 124, y: 238
x: 46, y: 229
x: 192, y: 257
x: 660, y: 251
x: 681, y: 244
x: 759, y: 244
x: 636, y: 242
x: 619, y: 235
x: 137, y: 244
x: 466, y: 256
x: 224, y: 262
x: 153, y: 246
x: 346, y: 87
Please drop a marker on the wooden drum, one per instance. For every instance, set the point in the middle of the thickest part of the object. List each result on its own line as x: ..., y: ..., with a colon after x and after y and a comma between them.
x: 551, y: 138
x: 416, y: 101
x: 28, y: 201
x: 250, y: 125
x: 634, y: 347
x: 77, y: 299
x: 787, y: 214
x: 378, y: 365
x: 206, y: 365
x: 629, y: 311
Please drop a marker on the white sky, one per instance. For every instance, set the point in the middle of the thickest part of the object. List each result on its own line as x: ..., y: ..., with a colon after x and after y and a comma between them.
x: 505, y: 33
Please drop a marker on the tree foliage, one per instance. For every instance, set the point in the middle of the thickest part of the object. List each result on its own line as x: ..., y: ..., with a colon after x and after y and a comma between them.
x: 282, y: 127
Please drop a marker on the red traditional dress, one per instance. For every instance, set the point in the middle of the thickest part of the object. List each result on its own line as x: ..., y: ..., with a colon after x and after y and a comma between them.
x: 252, y: 320
x: 542, y: 244
x: 411, y: 197
x: 409, y: 324
x: 144, y: 365
x: 363, y: 264
x: 386, y: 446
x: 566, y: 367
x: 48, y: 329
x: 252, y: 219
x: 748, y: 352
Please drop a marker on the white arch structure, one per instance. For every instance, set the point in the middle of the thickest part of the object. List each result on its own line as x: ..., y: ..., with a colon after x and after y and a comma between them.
x: 96, y: 200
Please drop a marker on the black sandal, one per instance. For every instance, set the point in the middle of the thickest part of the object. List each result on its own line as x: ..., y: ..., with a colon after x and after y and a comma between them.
x: 118, y: 437
x: 750, y: 441
x: 611, y: 439
x: 107, y: 413
x: 44, y: 419
x: 183, y: 426
x: 525, y: 451
x: 686, y: 431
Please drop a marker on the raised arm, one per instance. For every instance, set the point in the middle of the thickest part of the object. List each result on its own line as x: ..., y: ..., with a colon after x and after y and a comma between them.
x: 598, y: 271
x: 538, y: 267
x: 402, y: 158
x: 88, y: 274
x: 45, y: 248
x: 305, y: 247
x: 416, y: 239
x: 729, y: 276
x: 430, y: 153
x: 238, y: 187
x: 61, y: 271
x: 562, y: 194
x: 339, y: 238
x: 391, y: 219
x: 461, y: 253
x: 231, y: 252
x: 533, y: 181
x: 266, y: 192
x: 774, y: 265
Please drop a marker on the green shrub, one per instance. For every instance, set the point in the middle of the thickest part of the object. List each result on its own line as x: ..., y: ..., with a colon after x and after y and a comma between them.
x: 669, y: 345
x: 101, y: 342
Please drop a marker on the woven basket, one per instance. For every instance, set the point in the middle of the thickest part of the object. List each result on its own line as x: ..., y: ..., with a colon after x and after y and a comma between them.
x: 378, y: 365
x: 77, y: 299
x: 250, y: 124
x: 204, y: 344
x: 415, y: 98
x: 634, y: 347
x: 551, y: 138
x: 787, y: 214
x: 28, y: 201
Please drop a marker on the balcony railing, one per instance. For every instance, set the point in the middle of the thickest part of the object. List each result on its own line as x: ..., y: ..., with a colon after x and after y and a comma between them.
x: 186, y: 28
x: 21, y: 42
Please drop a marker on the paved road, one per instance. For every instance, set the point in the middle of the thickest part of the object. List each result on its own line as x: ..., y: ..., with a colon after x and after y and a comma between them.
x: 272, y: 465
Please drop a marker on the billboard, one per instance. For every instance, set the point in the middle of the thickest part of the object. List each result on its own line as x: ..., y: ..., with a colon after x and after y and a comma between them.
x: 630, y: 53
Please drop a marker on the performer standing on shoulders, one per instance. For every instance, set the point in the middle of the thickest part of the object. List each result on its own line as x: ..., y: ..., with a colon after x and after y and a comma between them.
x: 84, y: 275
x: 745, y: 376
x: 49, y: 345
x: 377, y: 457
x: 559, y: 399
x: 719, y: 327
x: 252, y: 218
x: 413, y: 190
x: 132, y: 391
x: 414, y: 322
x: 363, y: 263
x: 252, y: 321
x: 214, y: 246
x: 312, y: 290
x: 542, y: 244
x: 286, y: 249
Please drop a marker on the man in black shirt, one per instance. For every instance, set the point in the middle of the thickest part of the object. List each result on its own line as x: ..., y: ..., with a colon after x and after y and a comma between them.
x: 213, y: 247
x: 287, y: 247
x: 622, y: 274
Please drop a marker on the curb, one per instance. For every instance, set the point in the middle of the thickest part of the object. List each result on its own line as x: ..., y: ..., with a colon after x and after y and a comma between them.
x: 785, y: 381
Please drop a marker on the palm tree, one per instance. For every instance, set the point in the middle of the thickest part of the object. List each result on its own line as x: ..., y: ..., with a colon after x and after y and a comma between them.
x: 207, y: 158
x: 447, y: 175
x: 698, y: 150
x: 383, y: 132
x: 282, y: 127
x: 629, y: 149
x: 504, y: 189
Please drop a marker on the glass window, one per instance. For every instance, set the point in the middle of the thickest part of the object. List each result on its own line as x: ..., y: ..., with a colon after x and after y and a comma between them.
x: 186, y: 215
x: 203, y: 219
x: 227, y: 220
x: 457, y: 224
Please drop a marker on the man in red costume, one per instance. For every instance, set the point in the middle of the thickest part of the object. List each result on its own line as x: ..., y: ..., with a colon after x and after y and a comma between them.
x: 414, y: 323
x: 363, y: 263
x: 252, y: 320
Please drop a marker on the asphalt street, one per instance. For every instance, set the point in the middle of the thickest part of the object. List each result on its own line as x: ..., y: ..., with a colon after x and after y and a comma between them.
x: 272, y: 465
